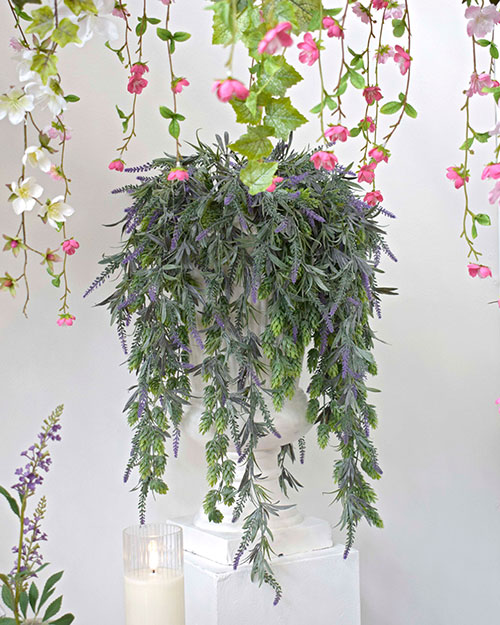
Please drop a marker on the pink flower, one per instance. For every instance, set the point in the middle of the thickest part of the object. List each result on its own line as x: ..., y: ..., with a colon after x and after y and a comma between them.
x: 310, y: 52
x: 491, y: 171
x: 403, y: 58
x: 372, y: 198
x: 458, y: 178
x: 117, y: 164
x: 383, y: 53
x: 66, y: 320
x: 498, y: 400
x: 58, y: 133
x: 228, y: 89
x: 276, y: 180
x: 120, y: 12
x: 366, y: 173
x: 334, y: 29
x: 478, y: 270
x: 326, y: 160
x: 16, y: 45
x: 482, y: 21
x: 166, y: 2
x: 70, y: 246
x: 494, y: 194
x: 178, y: 84
x: 139, y: 69
x: 136, y: 83
x: 379, y: 154
x: 361, y: 12
x: 54, y: 173
x: 478, y: 81
x: 380, y: 4
x: 337, y: 133
x: 394, y: 13
x: 372, y: 94
x: 276, y: 39
x: 367, y: 124
x: 178, y: 174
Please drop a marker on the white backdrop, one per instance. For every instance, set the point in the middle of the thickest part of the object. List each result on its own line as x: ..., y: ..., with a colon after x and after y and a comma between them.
x: 437, y: 561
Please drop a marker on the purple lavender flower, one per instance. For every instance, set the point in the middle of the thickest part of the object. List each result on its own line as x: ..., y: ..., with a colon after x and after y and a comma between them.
x: 281, y: 227
x: 175, y: 238
x: 133, y: 255
x: 197, y: 338
x: 175, y: 441
x: 219, y: 321
x: 202, y: 235
x: 243, y: 223
x: 228, y: 199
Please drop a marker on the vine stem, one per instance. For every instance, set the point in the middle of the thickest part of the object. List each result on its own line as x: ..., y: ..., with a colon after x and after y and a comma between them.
x: 342, y: 63
x: 174, y: 95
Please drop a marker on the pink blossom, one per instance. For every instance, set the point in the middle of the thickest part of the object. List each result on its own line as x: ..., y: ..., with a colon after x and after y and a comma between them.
x: 368, y: 124
x: 310, y: 52
x: 326, y: 160
x: 16, y: 45
x: 178, y: 174
x: 178, y: 84
x: 366, y: 173
x: 14, y: 244
x: 228, y: 89
x: 481, y: 21
x: 276, y: 39
x: 57, y: 133
x: 491, y: 171
x: 120, y: 12
x: 458, y: 178
x: 117, y: 164
x: 136, y: 84
x: 276, y: 180
x: 379, y: 154
x: 66, y: 320
x: 334, y: 29
x: 394, y: 12
x: 139, y: 69
x: 380, y: 4
x: 383, y: 53
x: 478, y: 270
x: 372, y: 94
x: 70, y: 246
x: 372, y: 198
x: 403, y: 58
x: 494, y: 194
x: 54, y: 173
x: 498, y: 400
x: 478, y: 81
x: 337, y: 133
x: 361, y: 12
x: 166, y: 2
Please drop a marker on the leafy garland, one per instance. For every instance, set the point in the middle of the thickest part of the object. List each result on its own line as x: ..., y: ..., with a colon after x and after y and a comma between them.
x: 309, y: 249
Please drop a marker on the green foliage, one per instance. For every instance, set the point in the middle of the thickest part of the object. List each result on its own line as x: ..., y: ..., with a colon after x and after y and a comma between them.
x: 45, y: 65
x: 43, y: 21
x: 255, y: 144
x: 66, y: 32
x: 257, y: 176
x: 283, y: 117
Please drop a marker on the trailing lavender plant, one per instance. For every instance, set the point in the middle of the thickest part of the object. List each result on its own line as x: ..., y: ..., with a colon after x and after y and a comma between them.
x: 20, y: 592
x: 200, y: 256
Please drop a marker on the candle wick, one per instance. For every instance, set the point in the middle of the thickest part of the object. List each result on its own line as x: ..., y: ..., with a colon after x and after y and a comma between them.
x: 154, y: 571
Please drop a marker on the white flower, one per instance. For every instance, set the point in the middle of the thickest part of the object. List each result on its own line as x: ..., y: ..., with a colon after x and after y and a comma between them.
x: 26, y: 193
x: 57, y: 211
x: 46, y: 97
x: 37, y: 157
x: 104, y: 23
x: 24, y: 66
x: 15, y: 104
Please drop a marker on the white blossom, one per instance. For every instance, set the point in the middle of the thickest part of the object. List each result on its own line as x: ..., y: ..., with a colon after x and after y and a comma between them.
x: 104, y: 23
x: 46, y: 97
x: 37, y: 157
x: 57, y: 210
x: 16, y: 104
x: 26, y: 193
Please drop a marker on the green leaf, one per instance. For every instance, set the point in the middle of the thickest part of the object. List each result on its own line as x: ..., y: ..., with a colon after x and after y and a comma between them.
x: 466, y: 145
x: 390, y: 108
x: 141, y: 27
x: 43, y: 22
x: 49, y: 584
x: 45, y: 65
x: 304, y: 12
x: 53, y: 608
x: 23, y: 602
x: 179, y: 117
x: 121, y: 114
x: 410, y: 111
x: 277, y: 76
x: 153, y: 20
x: 164, y: 34
x: 166, y: 112
x: 181, y: 36
x: 494, y: 51
x: 318, y: 108
x: 255, y: 143
x: 283, y: 117
x: 7, y: 596
x: 221, y: 24
x: 174, y: 129
x: 243, y: 114
x: 354, y: 132
x: 56, y: 281
x: 66, y: 32
x: 398, y: 28
x: 483, y: 219
x: 67, y: 619
x: 474, y: 231
x: 33, y: 596
x: 483, y: 42
x: 482, y: 137
x: 7, y: 620
x: 257, y: 176
x: 12, y: 502
x: 357, y: 80
x: 71, y: 98
x: 77, y: 6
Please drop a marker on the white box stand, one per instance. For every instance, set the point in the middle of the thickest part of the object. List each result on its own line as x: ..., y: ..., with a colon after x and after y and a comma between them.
x: 319, y: 588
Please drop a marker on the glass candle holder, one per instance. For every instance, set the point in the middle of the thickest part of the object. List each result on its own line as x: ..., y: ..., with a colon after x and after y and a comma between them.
x: 153, y: 560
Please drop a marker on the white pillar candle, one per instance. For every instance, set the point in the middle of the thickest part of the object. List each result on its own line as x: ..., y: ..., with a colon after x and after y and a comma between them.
x: 154, y: 598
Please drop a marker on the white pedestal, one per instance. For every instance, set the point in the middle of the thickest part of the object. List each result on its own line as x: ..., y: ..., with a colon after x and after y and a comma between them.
x: 221, y: 546
x: 319, y: 588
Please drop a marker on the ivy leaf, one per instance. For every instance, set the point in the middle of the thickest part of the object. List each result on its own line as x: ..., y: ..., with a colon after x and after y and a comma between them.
x: 305, y: 11
x: 255, y: 143
x: 66, y: 32
x: 483, y: 219
x: 257, y: 176
x: 45, y: 65
x: 11, y: 501
x: 174, y: 129
x: 243, y: 114
x: 410, y: 111
x: 278, y: 76
x: 283, y: 117
x: 43, y: 21
x: 77, y: 6
x: 221, y: 24
x: 19, y: 4
x: 391, y: 107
